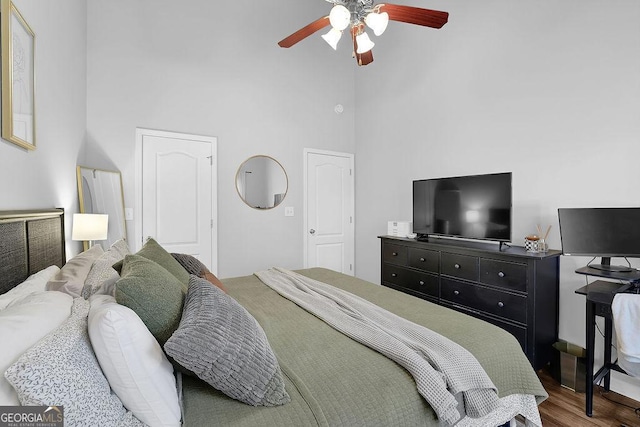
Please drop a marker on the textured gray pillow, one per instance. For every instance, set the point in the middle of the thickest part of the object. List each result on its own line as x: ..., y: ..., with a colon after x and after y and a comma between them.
x: 220, y: 342
x: 191, y: 264
x: 194, y: 266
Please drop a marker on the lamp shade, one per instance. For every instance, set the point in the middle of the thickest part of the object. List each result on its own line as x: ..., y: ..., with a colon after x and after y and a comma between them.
x: 332, y: 37
x: 90, y: 227
x: 377, y: 22
x: 364, y: 43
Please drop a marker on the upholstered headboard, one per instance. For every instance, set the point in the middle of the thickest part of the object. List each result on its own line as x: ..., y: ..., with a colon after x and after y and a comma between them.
x: 30, y: 240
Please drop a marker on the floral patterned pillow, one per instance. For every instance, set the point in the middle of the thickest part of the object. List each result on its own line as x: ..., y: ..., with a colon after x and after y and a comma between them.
x: 62, y: 370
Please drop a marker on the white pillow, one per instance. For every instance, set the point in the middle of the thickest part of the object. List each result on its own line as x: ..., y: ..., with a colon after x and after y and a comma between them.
x: 22, y: 324
x: 133, y: 362
x: 35, y: 282
x: 70, y: 279
x: 62, y: 369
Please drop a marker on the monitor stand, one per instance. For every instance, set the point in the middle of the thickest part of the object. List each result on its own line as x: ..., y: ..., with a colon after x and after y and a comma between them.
x: 606, y: 266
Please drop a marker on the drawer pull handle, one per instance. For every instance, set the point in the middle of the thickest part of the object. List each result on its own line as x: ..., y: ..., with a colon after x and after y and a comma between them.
x: 394, y: 253
x: 500, y: 274
x: 457, y: 266
x: 500, y: 304
x: 456, y: 292
x: 421, y: 282
x: 394, y: 275
x: 422, y: 260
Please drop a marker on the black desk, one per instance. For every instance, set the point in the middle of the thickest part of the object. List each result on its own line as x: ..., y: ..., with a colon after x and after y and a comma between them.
x: 599, y: 296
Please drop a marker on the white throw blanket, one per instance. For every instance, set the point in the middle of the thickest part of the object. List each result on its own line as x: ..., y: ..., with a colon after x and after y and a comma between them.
x: 626, y: 319
x: 442, y: 369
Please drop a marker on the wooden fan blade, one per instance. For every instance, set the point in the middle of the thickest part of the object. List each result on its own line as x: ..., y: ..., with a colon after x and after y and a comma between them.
x: 304, y: 32
x: 415, y: 15
x: 366, y: 58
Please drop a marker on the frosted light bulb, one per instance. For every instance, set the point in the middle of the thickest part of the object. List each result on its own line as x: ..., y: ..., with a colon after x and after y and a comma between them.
x: 339, y: 17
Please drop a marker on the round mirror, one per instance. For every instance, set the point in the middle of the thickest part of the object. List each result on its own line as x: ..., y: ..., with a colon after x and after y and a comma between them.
x: 262, y: 182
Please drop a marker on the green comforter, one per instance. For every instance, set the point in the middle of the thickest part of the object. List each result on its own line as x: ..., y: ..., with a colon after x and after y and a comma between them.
x: 335, y: 381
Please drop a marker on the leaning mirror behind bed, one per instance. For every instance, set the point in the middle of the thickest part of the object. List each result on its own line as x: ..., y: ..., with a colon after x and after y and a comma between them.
x: 30, y: 240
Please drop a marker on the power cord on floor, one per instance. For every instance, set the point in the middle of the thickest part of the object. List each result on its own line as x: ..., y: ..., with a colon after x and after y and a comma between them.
x: 604, y: 395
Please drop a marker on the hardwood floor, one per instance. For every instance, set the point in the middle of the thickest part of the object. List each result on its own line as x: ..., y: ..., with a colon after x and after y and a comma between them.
x: 565, y: 408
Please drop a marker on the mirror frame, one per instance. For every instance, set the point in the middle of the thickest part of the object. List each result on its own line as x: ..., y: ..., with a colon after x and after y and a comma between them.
x: 81, y: 198
x: 286, y: 179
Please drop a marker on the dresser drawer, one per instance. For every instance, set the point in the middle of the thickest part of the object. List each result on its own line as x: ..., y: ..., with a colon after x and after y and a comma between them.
x: 425, y: 283
x: 424, y: 260
x: 503, y: 304
x: 504, y: 274
x: 393, y: 274
x: 462, y: 266
x: 520, y: 332
x: 394, y: 254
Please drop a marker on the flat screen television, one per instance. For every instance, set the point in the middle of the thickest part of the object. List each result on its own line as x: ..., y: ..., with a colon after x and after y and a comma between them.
x: 601, y: 232
x: 472, y: 207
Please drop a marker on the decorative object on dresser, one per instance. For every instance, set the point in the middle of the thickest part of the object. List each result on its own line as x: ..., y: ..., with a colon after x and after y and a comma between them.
x: 511, y: 288
x: 399, y: 228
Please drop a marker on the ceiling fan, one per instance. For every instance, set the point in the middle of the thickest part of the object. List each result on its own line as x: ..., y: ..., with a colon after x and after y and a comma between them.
x: 361, y: 13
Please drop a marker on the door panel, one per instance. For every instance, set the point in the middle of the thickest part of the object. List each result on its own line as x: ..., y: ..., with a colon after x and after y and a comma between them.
x: 329, y: 206
x: 177, y: 194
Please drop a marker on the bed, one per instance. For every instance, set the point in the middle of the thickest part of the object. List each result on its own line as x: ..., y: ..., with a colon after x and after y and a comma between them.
x: 330, y: 379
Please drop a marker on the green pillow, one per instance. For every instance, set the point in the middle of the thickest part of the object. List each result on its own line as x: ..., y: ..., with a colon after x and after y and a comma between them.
x: 153, y: 251
x: 153, y: 293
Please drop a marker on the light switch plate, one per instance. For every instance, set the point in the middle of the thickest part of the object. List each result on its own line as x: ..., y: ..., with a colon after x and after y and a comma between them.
x: 288, y: 211
x: 128, y: 214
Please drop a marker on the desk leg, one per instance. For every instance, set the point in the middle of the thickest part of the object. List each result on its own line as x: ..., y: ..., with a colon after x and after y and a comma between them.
x: 591, y: 332
x: 608, y: 333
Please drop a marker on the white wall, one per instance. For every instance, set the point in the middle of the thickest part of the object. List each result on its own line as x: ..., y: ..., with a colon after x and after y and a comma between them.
x: 45, y: 177
x: 214, y: 68
x: 547, y: 90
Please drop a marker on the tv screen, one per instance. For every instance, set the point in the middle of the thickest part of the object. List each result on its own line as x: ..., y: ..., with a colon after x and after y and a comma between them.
x: 600, y: 232
x: 474, y: 207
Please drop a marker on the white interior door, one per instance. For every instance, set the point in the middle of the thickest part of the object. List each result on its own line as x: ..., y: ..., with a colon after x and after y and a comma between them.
x: 177, y: 193
x: 329, y: 211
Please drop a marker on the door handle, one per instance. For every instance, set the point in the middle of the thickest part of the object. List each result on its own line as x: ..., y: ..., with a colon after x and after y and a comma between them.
x: 312, y: 231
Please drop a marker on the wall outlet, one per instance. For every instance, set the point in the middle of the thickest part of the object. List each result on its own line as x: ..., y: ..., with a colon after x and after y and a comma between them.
x: 288, y: 211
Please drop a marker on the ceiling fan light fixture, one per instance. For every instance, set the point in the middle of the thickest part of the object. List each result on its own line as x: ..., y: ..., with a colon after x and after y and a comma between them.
x: 364, y: 43
x: 339, y: 17
x: 332, y: 37
x: 377, y: 22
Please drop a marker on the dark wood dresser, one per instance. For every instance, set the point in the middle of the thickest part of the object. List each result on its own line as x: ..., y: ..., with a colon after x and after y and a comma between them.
x: 511, y: 288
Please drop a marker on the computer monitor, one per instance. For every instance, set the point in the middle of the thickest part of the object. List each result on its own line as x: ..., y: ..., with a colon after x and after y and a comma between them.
x: 601, y: 232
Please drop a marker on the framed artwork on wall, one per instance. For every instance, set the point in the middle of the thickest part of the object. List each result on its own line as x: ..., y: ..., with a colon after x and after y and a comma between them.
x: 18, y: 77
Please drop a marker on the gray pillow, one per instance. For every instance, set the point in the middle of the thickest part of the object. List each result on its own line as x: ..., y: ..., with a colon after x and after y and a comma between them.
x: 221, y: 343
x: 191, y: 264
x: 194, y: 266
